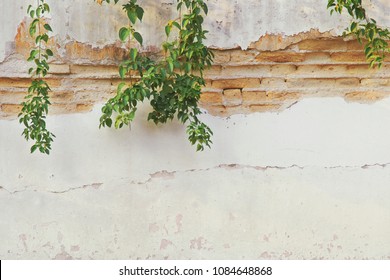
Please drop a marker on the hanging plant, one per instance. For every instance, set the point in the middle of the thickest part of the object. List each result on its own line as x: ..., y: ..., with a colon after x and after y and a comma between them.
x: 364, y: 29
x: 36, y: 105
x: 173, y: 84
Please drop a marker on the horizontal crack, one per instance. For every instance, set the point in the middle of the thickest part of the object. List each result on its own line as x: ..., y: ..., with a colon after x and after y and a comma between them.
x: 168, y: 175
x: 94, y: 185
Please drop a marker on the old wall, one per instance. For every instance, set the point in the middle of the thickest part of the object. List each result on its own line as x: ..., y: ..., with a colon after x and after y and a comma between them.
x: 299, y: 168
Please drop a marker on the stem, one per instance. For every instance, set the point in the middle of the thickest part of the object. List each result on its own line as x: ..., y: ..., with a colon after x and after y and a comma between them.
x: 39, y: 44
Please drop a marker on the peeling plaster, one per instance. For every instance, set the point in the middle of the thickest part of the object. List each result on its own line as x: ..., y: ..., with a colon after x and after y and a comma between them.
x: 231, y: 23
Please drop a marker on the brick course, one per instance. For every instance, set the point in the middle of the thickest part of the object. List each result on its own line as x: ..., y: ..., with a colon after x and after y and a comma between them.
x: 271, y: 75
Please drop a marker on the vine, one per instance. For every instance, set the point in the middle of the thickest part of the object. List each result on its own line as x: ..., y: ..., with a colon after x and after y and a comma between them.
x: 364, y: 28
x: 36, y: 104
x: 173, y: 84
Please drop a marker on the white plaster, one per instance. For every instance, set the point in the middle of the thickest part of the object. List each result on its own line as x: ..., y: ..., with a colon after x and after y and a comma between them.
x: 231, y: 23
x: 305, y: 183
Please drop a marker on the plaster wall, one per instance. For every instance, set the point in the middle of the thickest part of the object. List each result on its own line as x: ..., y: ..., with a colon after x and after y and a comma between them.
x: 307, y: 182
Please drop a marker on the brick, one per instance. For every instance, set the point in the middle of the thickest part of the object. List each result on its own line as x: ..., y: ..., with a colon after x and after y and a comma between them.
x: 322, y: 82
x: 246, y: 71
x: 323, y: 45
x: 310, y: 82
x: 236, y: 83
x: 11, y: 109
x: 241, y: 56
x: 12, y: 97
x: 211, y: 98
x: 366, y: 96
x: 100, y: 71
x: 264, y: 108
x: 88, y: 96
x: 216, y: 110
x: 15, y: 83
x: 57, y: 109
x: 253, y: 97
x: 364, y: 70
x: 280, y: 57
x: 59, y: 69
x: 221, y: 57
x: 83, y: 108
x: 326, y: 71
x: 375, y: 82
x: 283, y: 95
x: 61, y: 96
x: 348, y: 82
x: 273, y: 82
x: 232, y: 97
x: 81, y: 52
x: 348, y: 57
x: 282, y: 69
x: 317, y: 57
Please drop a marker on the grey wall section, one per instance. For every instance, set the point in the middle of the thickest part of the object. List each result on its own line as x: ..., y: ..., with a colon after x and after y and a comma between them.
x: 311, y: 182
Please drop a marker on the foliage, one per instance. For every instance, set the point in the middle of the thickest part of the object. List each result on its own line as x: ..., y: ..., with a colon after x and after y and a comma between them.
x: 173, y: 84
x: 36, y: 104
x: 364, y: 28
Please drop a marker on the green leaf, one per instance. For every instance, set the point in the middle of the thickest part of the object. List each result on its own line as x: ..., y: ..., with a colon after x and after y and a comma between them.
x: 33, y: 148
x: 167, y: 30
x: 177, y: 25
x: 138, y: 37
x: 170, y: 65
x: 124, y: 33
x: 49, y: 52
x: 133, y: 53
x: 132, y: 15
x: 47, y: 27
x: 122, y: 72
x: 140, y: 12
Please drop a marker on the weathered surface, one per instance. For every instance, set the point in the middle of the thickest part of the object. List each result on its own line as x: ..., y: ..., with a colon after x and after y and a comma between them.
x: 299, y: 168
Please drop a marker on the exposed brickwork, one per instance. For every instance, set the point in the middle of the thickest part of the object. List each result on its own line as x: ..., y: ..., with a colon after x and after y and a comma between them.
x: 271, y: 75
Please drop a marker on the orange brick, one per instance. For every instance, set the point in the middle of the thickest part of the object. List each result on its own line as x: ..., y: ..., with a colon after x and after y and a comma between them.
x: 61, y: 96
x: 236, y: 83
x: 273, y: 82
x: 375, y: 82
x: 348, y: 57
x: 12, y: 97
x: 264, y: 108
x: 366, y: 96
x: 82, y: 108
x: 232, y: 97
x: 323, y: 45
x: 212, y: 98
x: 11, y: 109
x: 221, y: 57
x: 246, y: 71
x: 241, y: 56
x: 253, y: 97
x: 280, y: 57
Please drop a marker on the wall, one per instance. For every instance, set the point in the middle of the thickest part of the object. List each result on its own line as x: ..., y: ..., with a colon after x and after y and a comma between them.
x: 299, y: 168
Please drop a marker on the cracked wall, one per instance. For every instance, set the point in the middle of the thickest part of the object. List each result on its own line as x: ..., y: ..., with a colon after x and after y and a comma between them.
x: 299, y: 168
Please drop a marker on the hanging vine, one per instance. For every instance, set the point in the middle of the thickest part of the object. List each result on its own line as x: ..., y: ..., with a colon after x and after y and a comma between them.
x: 365, y: 29
x: 36, y: 105
x: 172, y: 85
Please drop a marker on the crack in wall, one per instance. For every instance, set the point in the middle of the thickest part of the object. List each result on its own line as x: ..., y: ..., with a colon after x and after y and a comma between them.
x: 169, y: 175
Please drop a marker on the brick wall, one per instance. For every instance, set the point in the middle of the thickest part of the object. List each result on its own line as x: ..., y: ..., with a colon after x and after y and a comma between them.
x: 272, y: 75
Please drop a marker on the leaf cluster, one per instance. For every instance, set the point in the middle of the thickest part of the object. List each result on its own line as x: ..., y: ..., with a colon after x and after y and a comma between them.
x: 36, y: 105
x: 364, y: 29
x: 173, y: 84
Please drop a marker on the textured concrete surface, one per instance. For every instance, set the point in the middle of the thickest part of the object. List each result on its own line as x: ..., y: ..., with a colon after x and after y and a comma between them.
x: 308, y: 183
